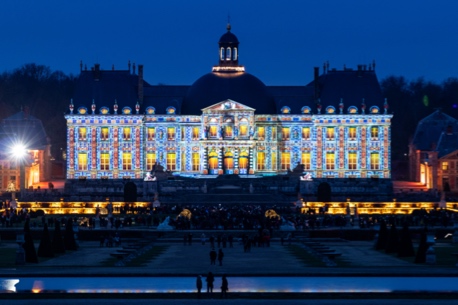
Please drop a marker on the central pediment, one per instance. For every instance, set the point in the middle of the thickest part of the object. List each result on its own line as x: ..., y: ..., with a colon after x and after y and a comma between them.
x: 228, y: 105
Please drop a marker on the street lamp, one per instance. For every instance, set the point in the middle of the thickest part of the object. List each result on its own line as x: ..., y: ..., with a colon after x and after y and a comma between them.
x: 19, y: 152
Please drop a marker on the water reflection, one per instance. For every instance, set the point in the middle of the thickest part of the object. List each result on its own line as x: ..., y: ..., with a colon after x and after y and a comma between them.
x: 236, y: 284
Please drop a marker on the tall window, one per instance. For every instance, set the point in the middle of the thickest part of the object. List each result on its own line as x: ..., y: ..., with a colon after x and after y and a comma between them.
x: 228, y: 131
x: 171, y: 161
x: 305, y: 160
x: 285, y: 160
x: 222, y: 54
x: 234, y: 54
x: 151, y: 134
x: 445, y: 166
x: 352, y: 133
x: 228, y: 160
x: 104, y: 133
x: 274, y: 133
x: 273, y: 156
x: 243, y: 160
x: 126, y: 135
x: 150, y: 160
x: 352, y: 160
x: 374, y: 132
x: 330, y: 133
x: 375, y: 161
x: 305, y: 133
x: 243, y: 130
x: 261, y: 133
x: 82, y: 161
x: 213, y: 160
x: 330, y: 160
x: 82, y: 133
x: 195, y: 133
x: 104, y: 161
x: 261, y: 160
x: 213, y: 133
x: 171, y: 133
x: 195, y: 161
x: 126, y: 161
x: 285, y: 133
x: 228, y: 54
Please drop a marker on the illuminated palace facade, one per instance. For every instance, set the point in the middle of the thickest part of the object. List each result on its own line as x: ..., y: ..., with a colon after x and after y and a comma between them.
x: 228, y: 122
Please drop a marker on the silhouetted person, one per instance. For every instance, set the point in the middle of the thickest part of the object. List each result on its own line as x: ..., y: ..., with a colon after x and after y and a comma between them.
x: 213, y: 256
x: 199, y: 285
x: 210, y: 279
x: 220, y: 257
x: 224, y: 287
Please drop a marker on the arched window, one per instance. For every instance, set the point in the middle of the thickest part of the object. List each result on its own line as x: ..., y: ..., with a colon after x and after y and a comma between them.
x: 234, y: 54
x: 213, y: 160
x: 243, y: 160
x: 228, y: 160
x: 228, y: 54
x: 223, y: 54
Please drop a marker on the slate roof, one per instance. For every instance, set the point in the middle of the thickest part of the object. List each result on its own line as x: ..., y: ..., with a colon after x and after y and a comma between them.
x: 448, y: 143
x: 24, y: 128
x: 430, y: 129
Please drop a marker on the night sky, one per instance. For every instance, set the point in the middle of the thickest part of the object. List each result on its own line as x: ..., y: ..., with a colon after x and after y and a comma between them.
x: 280, y: 41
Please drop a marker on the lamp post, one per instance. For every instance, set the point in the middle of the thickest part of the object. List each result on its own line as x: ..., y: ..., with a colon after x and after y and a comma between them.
x: 19, y: 152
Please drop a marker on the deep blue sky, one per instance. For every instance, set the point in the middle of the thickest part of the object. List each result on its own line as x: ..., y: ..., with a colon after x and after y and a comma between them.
x: 280, y: 41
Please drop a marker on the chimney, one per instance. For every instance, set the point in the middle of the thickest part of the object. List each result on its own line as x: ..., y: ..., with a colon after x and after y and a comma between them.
x: 316, y: 75
x: 133, y: 68
x: 140, y: 83
x: 128, y: 66
x: 81, y: 65
x: 96, y: 72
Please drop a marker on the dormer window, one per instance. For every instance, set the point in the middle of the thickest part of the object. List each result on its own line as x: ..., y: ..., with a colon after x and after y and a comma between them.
x: 234, y: 54
x: 228, y: 54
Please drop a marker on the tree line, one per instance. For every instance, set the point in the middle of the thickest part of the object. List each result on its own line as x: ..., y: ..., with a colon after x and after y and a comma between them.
x: 47, y: 94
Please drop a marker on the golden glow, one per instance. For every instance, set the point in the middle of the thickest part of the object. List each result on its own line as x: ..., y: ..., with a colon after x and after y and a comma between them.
x: 104, y: 161
x: 285, y: 160
x: 82, y: 161
x: 228, y: 131
x: 274, y: 133
x: 374, y: 132
x: 243, y: 130
x: 150, y: 160
x: 151, y: 133
x: 305, y: 160
x: 126, y: 161
x: 352, y: 133
x: 352, y: 160
x: 82, y: 133
x: 330, y: 133
x: 261, y: 160
x: 330, y: 160
x: 104, y: 133
x: 126, y: 133
x: 243, y: 160
x: 228, y: 69
x: 171, y: 133
x: 261, y: 133
x: 195, y: 132
x: 305, y: 133
x: 195, y: 161
x: 273, y: 156
x: 229, y: 161
x: 213, y: 131
x: 445, y: 166
x: 171, y: 161
x: 285, y: 133
x: 375, y: 161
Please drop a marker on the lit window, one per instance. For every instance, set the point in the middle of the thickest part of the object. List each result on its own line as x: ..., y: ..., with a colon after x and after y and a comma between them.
x: 222, y: 54
x: 243, y: 130
x: 195, y: 162
x: 104, y: 161
x: 228, y: 131
x: 104, y: 133
x: 82, y: 161
x: 261, y: 160
x: 228, y: 54
x: 195, y: 132
x: 273, y: 156
x: 305, y: 133
x: 374, y: 132
x: 330, y: 133
x: 150, y: 160
x: 285, y: 161
x: 445, y: 166
x: 151, y: 133
x: 243, y: 160
x: 234, y: 55
x: 126, y: 134
x: 261, y: 133
x: 305, y: 160
x: 285, y: 133
x: 228, y: 160
x: 375, y: 161
x: 274, y: 133
x: 126, y: 161
x: 171, y: 133
x: 82, y: 133
x: 171, y: 162
x: 352, y: 160
x: 213, y: 131
x: 213, y: 160
x: 352, y: 133
x: 330, y: 161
